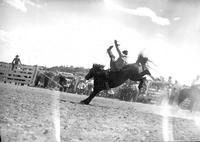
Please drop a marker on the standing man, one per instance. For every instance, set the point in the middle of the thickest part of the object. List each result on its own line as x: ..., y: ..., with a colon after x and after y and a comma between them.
x: 62, y: 82
x: 16, y: 61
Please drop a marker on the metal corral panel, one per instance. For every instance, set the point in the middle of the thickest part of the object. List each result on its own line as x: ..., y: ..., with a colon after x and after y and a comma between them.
x: 23, y: 74
x: 4, y: 68
x: 155, y: 95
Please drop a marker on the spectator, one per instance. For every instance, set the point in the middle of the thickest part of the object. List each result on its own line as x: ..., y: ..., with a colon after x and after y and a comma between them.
x: 62, y: 82
x: 89, y: 87
x: 16, y: 61
x: 169, y: 82
x: 81, y: 87
x: 173, y: 98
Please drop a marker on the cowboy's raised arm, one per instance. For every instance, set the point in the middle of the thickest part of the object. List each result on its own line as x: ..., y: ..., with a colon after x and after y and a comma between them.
x: 117, y: 47
x: 13, y: 60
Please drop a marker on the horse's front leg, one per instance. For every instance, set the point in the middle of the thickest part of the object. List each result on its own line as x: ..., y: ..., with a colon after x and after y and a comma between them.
x: 137, y: 94
x: 138, y: 89
x: 89, y: 99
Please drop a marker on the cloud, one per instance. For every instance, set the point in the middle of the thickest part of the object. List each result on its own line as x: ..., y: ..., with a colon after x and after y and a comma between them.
x: 141, y: 11
x: 4, y: 35
x: 21, y: 4
x: 33, y: 3
x: 18, y: 4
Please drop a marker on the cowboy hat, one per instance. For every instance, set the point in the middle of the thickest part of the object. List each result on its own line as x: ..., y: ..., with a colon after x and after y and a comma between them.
x: 125, y: 52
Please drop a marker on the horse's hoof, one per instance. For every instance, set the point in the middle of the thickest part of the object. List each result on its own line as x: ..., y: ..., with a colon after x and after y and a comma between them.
x: 83, y: 102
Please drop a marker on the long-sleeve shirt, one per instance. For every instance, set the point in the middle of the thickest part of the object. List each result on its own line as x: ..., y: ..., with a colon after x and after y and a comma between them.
x: 120, y: 62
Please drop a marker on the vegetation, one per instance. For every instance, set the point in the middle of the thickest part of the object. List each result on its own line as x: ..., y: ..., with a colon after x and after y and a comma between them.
x: 70, y: 69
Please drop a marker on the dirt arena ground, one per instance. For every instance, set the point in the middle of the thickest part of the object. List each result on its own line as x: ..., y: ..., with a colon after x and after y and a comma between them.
x: 29, y: 114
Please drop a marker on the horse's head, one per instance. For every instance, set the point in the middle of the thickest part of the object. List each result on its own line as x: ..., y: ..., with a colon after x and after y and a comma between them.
x: 141, y: 59
x: 90, y: 74
x: 94, y: 70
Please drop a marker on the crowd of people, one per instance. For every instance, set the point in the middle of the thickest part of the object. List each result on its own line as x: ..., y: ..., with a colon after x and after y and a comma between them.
x: 63, y: 83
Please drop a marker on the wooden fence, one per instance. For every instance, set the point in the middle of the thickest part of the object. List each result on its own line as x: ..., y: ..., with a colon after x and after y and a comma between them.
x: 21, y: 75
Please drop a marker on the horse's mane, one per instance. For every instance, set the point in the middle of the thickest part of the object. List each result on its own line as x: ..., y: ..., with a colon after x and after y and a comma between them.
x: 98, y: 66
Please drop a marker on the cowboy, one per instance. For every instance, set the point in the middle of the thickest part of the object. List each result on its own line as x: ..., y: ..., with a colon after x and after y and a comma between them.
x: 16, y: 61
x: 117, y: 65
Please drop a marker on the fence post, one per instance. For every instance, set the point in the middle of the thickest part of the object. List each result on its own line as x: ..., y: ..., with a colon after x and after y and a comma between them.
x: 25, y: 75
x: 34, y: 75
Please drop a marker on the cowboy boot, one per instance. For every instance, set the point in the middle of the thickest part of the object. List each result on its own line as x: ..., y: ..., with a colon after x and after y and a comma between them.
x: 107, y: 80
x: 108, y: 50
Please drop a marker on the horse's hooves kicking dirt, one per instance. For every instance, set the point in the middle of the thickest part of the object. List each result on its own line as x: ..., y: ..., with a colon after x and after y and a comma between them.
x: 84, y: 103
x: 62, y: 100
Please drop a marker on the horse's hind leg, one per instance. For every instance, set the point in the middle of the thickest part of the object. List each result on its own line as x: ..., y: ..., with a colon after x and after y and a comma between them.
x: 192, y: 104
x: 89, y: 99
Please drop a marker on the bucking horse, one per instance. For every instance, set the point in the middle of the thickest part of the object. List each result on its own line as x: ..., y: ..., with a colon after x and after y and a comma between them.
x: 113, y: 78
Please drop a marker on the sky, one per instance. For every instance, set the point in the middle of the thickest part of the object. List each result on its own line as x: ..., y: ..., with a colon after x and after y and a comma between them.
x: 78, y: 32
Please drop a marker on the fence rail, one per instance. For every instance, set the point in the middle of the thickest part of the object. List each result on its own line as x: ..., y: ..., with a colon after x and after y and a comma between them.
x: 156, y: 95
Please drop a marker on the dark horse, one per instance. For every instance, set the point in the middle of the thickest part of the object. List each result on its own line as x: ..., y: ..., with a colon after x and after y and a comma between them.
x: 114, y: 78
x: 193, y: 93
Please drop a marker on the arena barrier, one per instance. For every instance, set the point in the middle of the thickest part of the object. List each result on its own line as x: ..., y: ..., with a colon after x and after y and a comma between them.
x: 20, y: 75
x: 155, y: 95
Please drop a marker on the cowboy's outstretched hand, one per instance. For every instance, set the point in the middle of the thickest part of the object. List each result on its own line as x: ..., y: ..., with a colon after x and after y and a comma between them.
x: 116, y: 44
x: 110, y: 47
x: 152, y: 78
